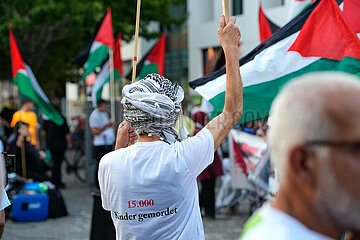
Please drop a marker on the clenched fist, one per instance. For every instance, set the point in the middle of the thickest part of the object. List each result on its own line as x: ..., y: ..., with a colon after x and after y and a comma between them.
x: 229, y: 34
x: 125, y: 136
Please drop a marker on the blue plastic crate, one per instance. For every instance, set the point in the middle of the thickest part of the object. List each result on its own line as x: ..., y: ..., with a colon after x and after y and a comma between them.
x: 30, y: 207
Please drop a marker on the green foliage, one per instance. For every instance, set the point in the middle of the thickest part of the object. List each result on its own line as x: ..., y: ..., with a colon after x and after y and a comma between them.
x: 51, y: 32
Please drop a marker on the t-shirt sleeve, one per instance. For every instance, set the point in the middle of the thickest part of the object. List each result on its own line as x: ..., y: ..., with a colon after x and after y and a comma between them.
x: 102, y: 177
x: 93, y: 120
x: 5, y: 200
x: 34, y: 120
x: 15, y: 119
x: 198, y: 151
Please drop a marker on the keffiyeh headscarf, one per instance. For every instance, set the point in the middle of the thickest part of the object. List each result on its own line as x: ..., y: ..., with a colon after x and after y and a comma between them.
x: 152, y: 105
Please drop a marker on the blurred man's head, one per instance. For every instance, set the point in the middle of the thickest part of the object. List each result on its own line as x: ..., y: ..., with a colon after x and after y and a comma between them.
x: 27, y: 104
x: 12, y: 101
x: 101, y: 105
x: 200, y: 117
x: 56, y: 102
x: 21, y: 129
x: 315, y: 143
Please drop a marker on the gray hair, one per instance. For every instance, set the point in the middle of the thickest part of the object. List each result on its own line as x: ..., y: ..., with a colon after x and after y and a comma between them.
x: 299, y: 114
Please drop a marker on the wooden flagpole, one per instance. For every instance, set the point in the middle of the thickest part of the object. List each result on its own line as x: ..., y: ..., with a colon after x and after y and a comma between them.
x: 136, y: 40
x: 23, y: 159
x: 225, y: 9
x: 112, y: 85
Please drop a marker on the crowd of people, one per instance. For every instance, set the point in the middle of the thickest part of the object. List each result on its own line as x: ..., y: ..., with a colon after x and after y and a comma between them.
x: 149, y: 190
x: 314, y: 144
x: 22, y: 133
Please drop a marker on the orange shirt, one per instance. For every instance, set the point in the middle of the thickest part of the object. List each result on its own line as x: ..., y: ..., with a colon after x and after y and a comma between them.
x: 29, y: 118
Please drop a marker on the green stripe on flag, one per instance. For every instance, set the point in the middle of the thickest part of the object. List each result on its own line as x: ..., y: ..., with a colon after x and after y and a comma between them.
x: 26, y: 88
x: 96, y: 59
x: 256, y: 107
x: 147, y: 69
x: 117, y: 76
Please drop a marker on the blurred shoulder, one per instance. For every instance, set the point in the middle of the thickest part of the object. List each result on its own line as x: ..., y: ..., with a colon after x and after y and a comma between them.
x: 112, y: 156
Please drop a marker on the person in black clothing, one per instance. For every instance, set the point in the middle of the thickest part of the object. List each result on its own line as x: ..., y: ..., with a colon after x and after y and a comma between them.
x: 7, y: 114
x: 58, y: 138
x: 35, y: 167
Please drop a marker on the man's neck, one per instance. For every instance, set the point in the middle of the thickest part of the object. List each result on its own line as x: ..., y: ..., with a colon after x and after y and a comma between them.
x: 146, y: 138
x: 305, y: 212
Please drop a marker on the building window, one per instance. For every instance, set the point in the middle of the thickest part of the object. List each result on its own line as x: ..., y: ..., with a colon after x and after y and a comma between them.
x: 212, y: 59
x: 272, y: 3
x: 237, y: 7
x: 176, y: 64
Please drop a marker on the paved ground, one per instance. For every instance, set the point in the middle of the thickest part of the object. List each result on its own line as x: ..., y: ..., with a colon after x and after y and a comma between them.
x: 77, y: 224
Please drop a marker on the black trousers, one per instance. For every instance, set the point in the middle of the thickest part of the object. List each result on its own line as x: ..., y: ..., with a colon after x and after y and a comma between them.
x: 102, y: 227
x: 57, y: 157
x: 207, y: 197
x: 98, y: 153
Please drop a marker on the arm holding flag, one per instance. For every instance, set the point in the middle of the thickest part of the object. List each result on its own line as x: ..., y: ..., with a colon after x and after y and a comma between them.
x: 229, y: 36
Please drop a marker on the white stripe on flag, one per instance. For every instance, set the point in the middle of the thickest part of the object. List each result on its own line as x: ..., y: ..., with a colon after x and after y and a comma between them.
x: 272, y: 63
x: 95, y: 46
x: 296, y: 7
x: 35, y: 83
x: 100, y: 81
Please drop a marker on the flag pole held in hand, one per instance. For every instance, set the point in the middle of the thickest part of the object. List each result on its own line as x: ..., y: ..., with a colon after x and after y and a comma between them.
x: 136, y: 40
x: 225, y: 9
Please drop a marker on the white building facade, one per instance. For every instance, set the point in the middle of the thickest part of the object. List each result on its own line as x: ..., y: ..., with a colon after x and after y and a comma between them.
x: 203, y: 20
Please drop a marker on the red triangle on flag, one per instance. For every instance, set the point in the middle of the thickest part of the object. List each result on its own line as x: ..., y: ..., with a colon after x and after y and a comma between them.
x: 105, y: 34
x: 157, y: 55
x: 327, y: 35
x: 239, y: 158
x: 264, y: 27
x: 17, y: 62
x: 351, y: 12
x: 118, y: 63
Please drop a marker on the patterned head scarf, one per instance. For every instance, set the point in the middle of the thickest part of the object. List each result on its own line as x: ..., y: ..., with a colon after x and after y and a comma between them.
x: 152, y: 105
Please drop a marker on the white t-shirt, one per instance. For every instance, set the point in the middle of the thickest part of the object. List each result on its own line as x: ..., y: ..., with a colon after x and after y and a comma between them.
x: 4, y: 199
x: 98, y: 120
x: 272, y: 224
x: 151, y: 189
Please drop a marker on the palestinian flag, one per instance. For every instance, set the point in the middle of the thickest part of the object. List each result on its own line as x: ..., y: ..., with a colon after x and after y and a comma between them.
x: 104, y: 76
x: 297, y: 6
x: 103, y: 42
x: 351, y: 10
x: 152, y: 62
x: 318, y: 39
x: 28, y: 85
x: 266, y: 26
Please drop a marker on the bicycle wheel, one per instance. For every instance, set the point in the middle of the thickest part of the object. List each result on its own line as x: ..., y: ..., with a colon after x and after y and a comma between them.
x: 79, y: 167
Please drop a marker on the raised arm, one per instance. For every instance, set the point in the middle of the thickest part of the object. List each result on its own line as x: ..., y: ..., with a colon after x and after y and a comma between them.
x: 229, y: 37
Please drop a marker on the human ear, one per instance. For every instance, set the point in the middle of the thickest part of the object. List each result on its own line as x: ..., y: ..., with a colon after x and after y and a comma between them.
x: 301, y: 165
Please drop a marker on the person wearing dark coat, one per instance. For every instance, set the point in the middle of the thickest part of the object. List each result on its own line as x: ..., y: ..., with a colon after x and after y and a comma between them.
x: 35, y: 167
x: 208, y: 177
x: 58, y: 139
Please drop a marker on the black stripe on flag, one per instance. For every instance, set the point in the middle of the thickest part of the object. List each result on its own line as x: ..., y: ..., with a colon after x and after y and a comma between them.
x: 290, y: 28
x: 140, y: 64
x: 272, y: 25
x: 83, y: 55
